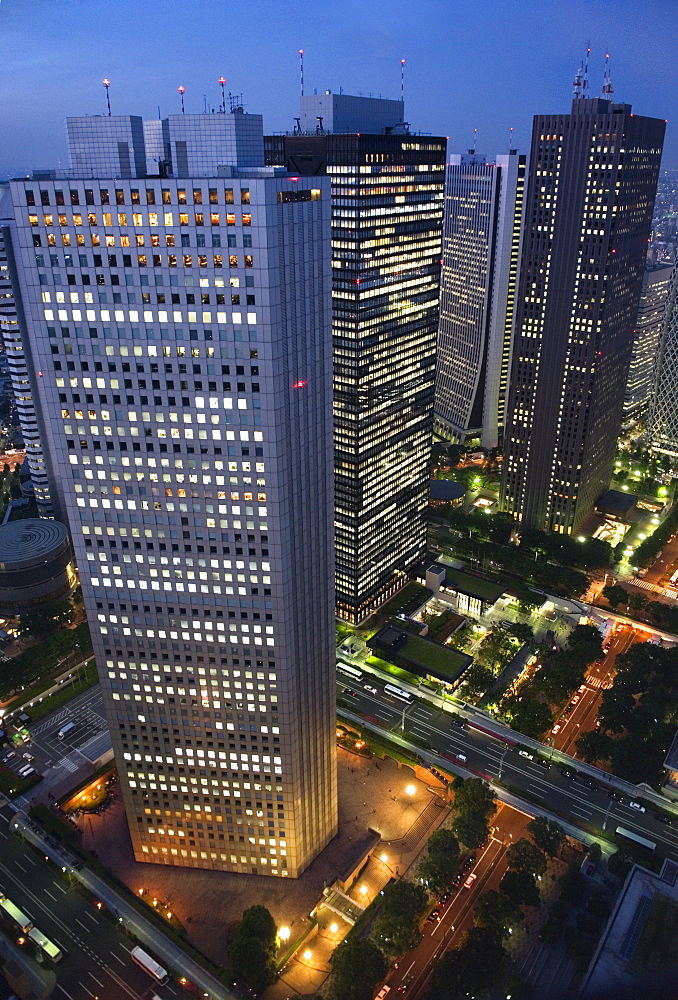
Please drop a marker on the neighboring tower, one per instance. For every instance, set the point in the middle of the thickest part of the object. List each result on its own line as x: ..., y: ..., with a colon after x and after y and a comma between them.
x: 182, y: 332
x: 656, y: 281
x: 481, y: 242
x: 387, y: 206
x: 23, y: 374
x: 662, y: 433
x: 588, y: 209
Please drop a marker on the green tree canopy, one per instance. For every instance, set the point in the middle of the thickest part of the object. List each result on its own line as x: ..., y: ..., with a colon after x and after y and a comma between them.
x: 470, y: 970
x: 527, y: 715
x: 520, y: 887
x: 357, y: 966
x: 497, y: 911
x: 615, y: 595
x: 478, y: 679
x: 525, y: 857
x: 396, y: 929
x: 594, y: 746
x: 547, y: 835
x: 441, y: 862
x: 253, y: 951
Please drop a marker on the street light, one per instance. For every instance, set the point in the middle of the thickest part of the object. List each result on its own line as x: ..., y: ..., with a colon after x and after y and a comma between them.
x: 334, y: 928
x: 308, y: 954
x: 410, y: 790
x: 284, y: 933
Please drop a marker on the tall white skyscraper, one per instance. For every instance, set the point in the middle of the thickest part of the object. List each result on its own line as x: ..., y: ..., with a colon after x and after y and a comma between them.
x: 481, y: 243
x: 180, y: 331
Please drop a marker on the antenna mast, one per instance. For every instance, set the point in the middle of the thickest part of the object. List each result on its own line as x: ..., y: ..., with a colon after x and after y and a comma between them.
x: 301, y: 70
x: 222, y: 84
x: 402, y: 83
x: 608, y: 89
x: 182, y: 91
x: 510, y: 139
x: 107, y: 84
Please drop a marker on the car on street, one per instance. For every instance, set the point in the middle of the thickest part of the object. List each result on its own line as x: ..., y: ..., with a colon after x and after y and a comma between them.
x: 383, y: 992
x: 444, y: 899
x: 663, y: 818
x: 524, y: 753
x: 575, y: 698
x: 433, y: 917
x: 567, y: 772
x: 370, y: 688
x: 544, y: 763
x: 405, y: 984
x: 637, y: 806
x: 556, y: 728
x: 470, y: 880
x: 28, y: 756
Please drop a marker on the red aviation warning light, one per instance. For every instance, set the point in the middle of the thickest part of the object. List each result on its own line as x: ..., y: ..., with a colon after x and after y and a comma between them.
x: 300, y: 384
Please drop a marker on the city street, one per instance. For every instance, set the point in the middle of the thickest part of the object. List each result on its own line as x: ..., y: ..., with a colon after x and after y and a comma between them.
x: 55, y: 758
x: 96, y: 963
x: 576, y: 798
x: 457, y: 916
x: 600, y: 675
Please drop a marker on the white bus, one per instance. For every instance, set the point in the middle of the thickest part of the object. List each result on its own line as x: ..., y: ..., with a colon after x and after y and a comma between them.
x: 352, y: 672
x: 24, y: 922
x: 636, y: 838
x: 397, y: 692
x: 49, y: 948
x: 149, y: 964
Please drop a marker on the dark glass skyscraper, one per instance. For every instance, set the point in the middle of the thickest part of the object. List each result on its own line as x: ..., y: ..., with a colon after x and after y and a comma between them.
x: 387, y: 208
x: 592, y: 181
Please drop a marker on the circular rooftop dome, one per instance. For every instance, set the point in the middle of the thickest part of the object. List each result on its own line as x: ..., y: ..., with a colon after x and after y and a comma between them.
x: 35, y: 563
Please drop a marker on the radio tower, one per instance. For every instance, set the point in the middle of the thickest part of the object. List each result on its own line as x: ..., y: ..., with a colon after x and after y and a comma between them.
x: 608, y: 89
x: 581, y: 80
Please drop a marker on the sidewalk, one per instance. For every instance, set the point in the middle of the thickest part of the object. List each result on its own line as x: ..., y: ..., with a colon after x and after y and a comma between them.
x: 166, y: 950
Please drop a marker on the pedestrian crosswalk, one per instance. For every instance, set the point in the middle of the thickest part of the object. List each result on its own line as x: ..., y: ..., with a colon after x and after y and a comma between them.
x: 68, y: 763
x: 603, y: 683
x: 663, y: 592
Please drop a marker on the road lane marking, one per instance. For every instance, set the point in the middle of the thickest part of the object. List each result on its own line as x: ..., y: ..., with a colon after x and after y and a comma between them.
x: 92, y: 918
x: 84, y: 926
x: 116, y: 957
x: 95, y: 978
x: 60, y: 987
x: 60, y: 888
x: 19, y: 865
x: 51, y: 896
x: 85, y: 989
x: 537, y: 791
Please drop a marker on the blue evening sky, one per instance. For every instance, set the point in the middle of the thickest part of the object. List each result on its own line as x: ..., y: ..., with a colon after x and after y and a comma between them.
x: 485, y: 64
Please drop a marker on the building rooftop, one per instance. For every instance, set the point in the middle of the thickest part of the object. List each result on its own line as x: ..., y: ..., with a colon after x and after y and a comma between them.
x: 420, y: 655
x: 640, y: 942
x: 616, y: 502
x: 446, y: 489
x: 671, y: 759
x: 485, y: 590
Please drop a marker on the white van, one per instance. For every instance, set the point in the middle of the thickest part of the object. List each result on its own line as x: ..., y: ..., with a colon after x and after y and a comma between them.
x: 65, y: 730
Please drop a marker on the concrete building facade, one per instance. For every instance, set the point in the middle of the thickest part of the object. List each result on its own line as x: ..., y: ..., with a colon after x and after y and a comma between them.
x: 481, y: 243
x: 588, y: 210
x: 182, y: 332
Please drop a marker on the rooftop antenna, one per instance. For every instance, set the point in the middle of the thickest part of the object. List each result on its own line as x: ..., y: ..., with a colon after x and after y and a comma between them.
x: 222, y: 84
x: 402, y: 81
x: 204, y: 104
x: 107, y: 84
x: 511, y: 139
x: 475, y: 140
x: 301, y: 70
x: 182, y: 91
x: 581, y: 79
x: 608, y: 89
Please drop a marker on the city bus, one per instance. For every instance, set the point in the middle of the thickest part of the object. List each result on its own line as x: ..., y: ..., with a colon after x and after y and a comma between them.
x: 24, y: 922
x: 352, y: 672
x: 396, y: 692
x: 149, y: 964
x: 49, y: 948
x: 636, y: 838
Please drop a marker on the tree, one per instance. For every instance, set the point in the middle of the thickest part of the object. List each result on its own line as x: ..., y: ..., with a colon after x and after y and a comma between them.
x: 357, y: 966
x: 252, y: 963
x: 527, y: 715
x: 472, y: 969
x: 594, y: 746
x: 478, y: 679
x: 614, y: 594
x: 440, y: 864
x: 525, y: 857
x: 253, y: 951
x: 638, y: 602
x: 471, y: 829
x: 585, y: 634
x: 547, y: 835
x: 475, y: 804
x: 572, y: 884
x: 396, y: 929
x: 520, y: 887
x: 496, y: 911
x: 521, y: 631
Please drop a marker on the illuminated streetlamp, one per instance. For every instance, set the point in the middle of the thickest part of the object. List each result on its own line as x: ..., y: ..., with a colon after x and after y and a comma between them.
x: 284, y: 933
x: 410, y: 790
x: 308, y: 954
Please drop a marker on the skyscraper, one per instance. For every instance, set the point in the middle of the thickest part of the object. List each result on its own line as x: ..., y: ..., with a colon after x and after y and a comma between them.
x: 481, y: 242
x: 588, y: 209
x: 662, y: 433
x: 180, y: 330
x: 387, y: 204
x: 656, y: 281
